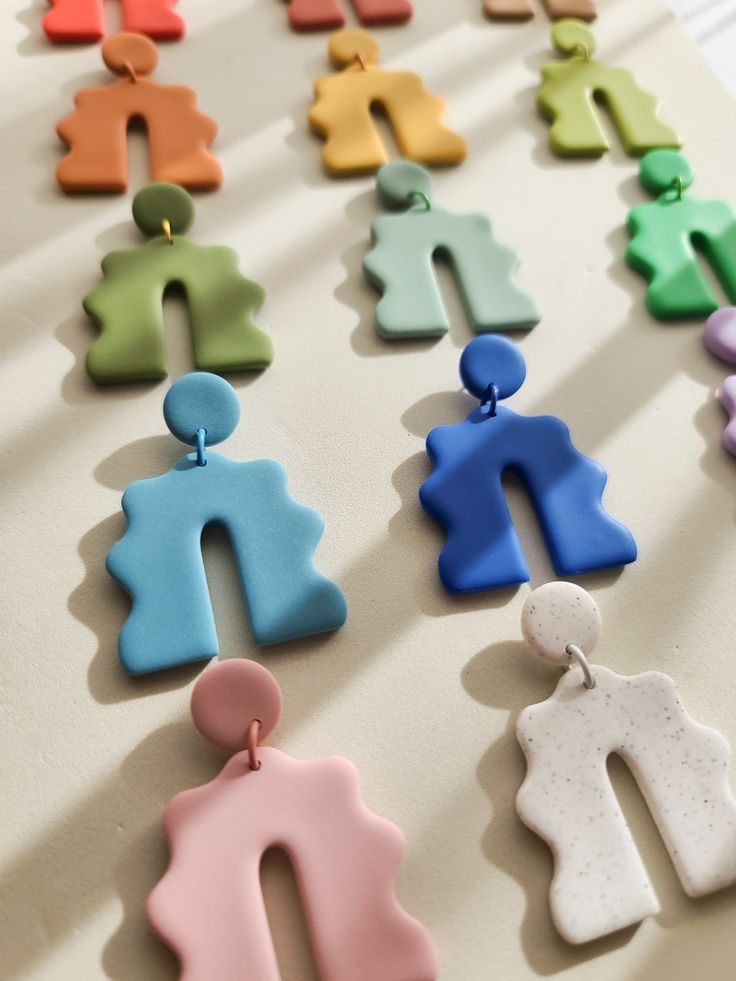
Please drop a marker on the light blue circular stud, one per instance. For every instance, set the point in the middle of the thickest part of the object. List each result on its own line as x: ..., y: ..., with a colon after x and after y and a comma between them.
x: 492, y: 360
x: 201, y: 401
x: 399, y: 180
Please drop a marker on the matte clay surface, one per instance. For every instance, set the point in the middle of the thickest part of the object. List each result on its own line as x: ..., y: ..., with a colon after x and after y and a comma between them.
x: 128, y: 308
x: 158, y: 561
x: 672, y: 236
x: 465, y: 493
x: 96, y: 133
x: 401, y: 263
x: 524, y: 9
x: 343, y: 104
x: 682, y: 768
x: 420, y: 689
x: 209, y: 906
x: 568, y: 99
x: 317, y: 15
x: 79, y: 21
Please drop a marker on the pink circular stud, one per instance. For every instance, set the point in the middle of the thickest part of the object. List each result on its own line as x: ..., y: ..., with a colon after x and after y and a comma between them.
x: 229, y: 696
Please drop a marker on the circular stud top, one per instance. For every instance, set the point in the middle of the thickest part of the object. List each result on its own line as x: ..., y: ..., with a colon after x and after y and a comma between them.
x: 720, y: 334
x: 660, y: 169
x: 157, y: 202
x: 229, y: 696
x: 345, y: 46
x: 201, y: 401
x: 570, y: 36
x: 558, y: 614
x: 126, y: 51
x: 397, y: 180
x: 492, y: 360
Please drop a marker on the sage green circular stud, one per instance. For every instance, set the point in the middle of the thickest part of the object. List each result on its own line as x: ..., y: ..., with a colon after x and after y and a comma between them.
x: 161, y: 202
x: 660, y: 170
x: 569, y: 36
x: 201, y: 401
x: 400, y: 181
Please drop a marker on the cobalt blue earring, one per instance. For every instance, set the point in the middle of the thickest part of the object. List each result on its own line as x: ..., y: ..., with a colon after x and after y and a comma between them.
x: 159, y: 563
x: 465, y: 494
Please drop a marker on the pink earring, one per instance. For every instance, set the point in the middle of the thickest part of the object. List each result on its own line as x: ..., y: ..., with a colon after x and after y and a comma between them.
x: 208, y: 906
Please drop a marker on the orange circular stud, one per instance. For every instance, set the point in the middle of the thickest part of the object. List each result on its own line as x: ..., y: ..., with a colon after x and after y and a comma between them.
x: 126, y: 51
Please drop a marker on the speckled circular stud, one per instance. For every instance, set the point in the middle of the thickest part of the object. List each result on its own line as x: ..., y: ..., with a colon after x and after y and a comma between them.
x: 229, y: 696
x: 400, y: 180
x: 161, y: 202
x: 492, y: 360
x: 201, y: 400
x: 558, y: 614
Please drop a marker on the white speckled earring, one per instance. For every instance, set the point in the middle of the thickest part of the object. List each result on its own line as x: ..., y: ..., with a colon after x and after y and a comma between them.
x: 600, y: 884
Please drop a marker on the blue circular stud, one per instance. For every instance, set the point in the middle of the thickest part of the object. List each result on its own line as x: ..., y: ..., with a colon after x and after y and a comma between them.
x: 492, y: 360
x: 201, y: 401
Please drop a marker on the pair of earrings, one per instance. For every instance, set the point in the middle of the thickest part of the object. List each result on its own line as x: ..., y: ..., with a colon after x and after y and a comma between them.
x: 208, y: 906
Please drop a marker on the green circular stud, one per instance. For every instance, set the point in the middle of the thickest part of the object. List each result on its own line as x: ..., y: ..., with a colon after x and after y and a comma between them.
x: 398, y: 183
x: 161, y: 202
x: 570, y: 36
x: 660, y: 170
x: 201, y: 401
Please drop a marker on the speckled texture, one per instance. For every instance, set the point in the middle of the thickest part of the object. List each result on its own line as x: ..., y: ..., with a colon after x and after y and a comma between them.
x: 558, y: 614
x: 600, y: 884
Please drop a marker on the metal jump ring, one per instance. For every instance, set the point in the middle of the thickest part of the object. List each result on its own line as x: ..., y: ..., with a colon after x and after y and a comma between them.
x: 201, y: 458
x: 166, y: 225
x: 132, y: 74
x: 581, y: 50
x: 254, y: 730
x: 360, y: 58
x: 573, y: 651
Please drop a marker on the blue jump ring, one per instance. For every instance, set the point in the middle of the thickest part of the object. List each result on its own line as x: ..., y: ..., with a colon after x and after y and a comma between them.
x: 490, y: 399
x: 201, y: 459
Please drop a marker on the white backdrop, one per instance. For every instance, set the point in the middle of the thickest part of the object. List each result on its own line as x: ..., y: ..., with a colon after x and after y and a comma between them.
x: 420, y: 689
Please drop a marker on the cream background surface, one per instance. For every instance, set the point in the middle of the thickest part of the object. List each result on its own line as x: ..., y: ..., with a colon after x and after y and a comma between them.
x: 420, y: 689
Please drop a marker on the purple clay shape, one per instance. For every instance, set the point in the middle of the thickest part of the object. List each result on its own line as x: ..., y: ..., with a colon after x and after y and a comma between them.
x: 727, y: 398
x: 719, y: 334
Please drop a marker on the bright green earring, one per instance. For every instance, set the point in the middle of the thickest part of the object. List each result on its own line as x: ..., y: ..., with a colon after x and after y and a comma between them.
x: 664, y: 234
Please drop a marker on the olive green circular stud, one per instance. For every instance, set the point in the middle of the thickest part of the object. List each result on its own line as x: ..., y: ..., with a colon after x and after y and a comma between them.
x: 570, y: 35
x: 662, y: 170
x: 401, y: 182
x: 157, y: 203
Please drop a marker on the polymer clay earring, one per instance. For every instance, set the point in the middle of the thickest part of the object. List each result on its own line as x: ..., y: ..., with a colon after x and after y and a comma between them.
x: 319, y: 15
x: 600, y: 884
x: 400, y: 264
x: 664, y: 234
x: 209, y: 908
x: 524, y: 9
x: 720, y: 339
x: 82, y: 21
x: 465, y: 493
x: 96, y: 132
x: 158, y: 561
x: 568, y: 99
x: 128, y: 306
x: 341, y: 113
